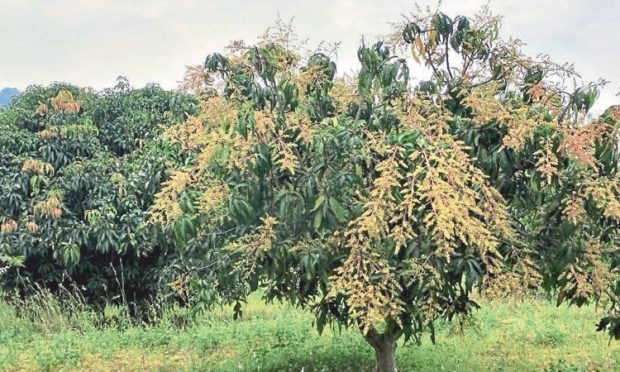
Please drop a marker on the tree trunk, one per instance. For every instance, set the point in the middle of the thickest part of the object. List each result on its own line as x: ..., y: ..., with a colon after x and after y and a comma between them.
x: 385, y: 350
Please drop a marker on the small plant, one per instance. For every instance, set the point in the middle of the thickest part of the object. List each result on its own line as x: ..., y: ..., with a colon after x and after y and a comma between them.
x: 8, y: 262
x: 563, y: 366
x: 551, y: 338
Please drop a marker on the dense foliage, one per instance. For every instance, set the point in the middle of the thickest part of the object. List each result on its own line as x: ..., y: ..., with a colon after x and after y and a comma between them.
x: 376, y: 202
x: 384, y: 206
x: 78, y: 171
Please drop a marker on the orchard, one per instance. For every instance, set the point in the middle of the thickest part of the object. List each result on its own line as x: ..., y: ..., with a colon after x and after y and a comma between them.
x: 382, y: 201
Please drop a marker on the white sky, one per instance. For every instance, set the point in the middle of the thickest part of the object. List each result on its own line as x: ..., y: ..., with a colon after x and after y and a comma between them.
x: 91, y: 42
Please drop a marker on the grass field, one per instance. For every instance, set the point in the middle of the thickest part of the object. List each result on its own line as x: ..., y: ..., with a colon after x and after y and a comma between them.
x: 519, y: 336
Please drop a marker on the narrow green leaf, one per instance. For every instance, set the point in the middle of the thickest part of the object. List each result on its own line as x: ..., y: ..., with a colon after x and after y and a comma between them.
x: 319, y: 201
x: 337, y: 209
x: 318, y: 218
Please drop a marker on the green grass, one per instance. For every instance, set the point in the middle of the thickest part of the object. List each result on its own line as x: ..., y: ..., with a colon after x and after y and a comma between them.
x: 516, y: 336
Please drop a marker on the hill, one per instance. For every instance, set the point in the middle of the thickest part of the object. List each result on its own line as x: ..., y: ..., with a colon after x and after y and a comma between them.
x: 6, y: 94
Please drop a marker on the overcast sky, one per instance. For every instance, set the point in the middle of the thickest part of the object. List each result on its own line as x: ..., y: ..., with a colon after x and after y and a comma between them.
x: 91, y: 42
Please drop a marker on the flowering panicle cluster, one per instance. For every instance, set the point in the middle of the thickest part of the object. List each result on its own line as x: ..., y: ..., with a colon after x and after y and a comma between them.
x: 190, y: 134
x: 519, y: 280
x: 63, y: 101
x: 180, y: 285
x: 343, y: 93
x: 484, y: 105
x: 434, y: 192
x: 36, y: 166
x: 574, y: 209
x: 606, y: 195
x: 547, y: 162
x: 521, y: 127
x: 207, y: 134
x: 119, y: 181
x: 8, y: 227
x: 166, y: 206
x: 308, y: 78
x: 463, y: 208
x: 42, y: 109
x: 603, y: 191
x: 32, y: 227
x: 51, y: 207
x: 299, y: 121
x: 200, y: 131
x: 284, y: 156
x: 212, y: 199
x: 49, y: 133
x: 578, y: 143
x: 590, y: 276
x: 195, y: 79
x: 426, y: 116
x: 252, y: 245
x: 371, y: 288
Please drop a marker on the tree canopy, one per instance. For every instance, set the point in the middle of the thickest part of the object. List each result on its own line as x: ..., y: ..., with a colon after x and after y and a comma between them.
x: 79, y: 170
x: 382, y: 204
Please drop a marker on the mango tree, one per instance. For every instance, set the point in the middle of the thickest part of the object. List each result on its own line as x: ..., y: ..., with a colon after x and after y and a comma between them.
x: 78, y: 171
x: 384, y: 205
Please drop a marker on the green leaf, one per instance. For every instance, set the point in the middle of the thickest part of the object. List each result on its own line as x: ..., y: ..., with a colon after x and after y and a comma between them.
x: 318, y: 218
x: 337, y: 209
x: 319, y: 201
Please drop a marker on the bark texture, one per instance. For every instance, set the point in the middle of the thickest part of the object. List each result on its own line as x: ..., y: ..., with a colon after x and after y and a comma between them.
x: 385, y: 350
